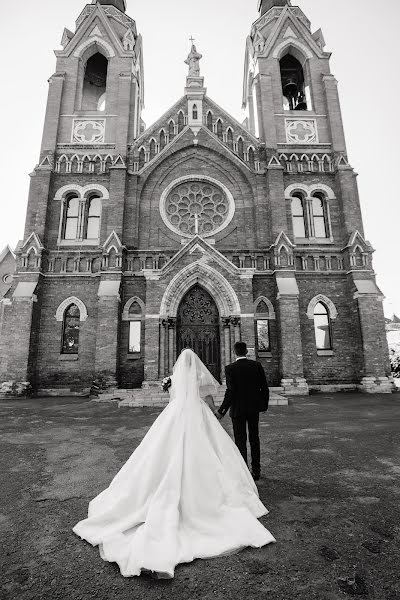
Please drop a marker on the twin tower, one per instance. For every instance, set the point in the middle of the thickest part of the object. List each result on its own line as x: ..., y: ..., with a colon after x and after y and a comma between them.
x: 197, y: 231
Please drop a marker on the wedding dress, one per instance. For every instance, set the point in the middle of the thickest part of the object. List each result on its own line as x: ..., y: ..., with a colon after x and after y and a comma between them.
x: 184, y: 493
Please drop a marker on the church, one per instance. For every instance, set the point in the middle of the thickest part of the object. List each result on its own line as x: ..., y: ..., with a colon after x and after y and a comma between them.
x: 197, y: 231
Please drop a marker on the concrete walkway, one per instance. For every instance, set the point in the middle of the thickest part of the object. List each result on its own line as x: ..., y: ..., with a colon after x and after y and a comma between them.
x: 331, y: 480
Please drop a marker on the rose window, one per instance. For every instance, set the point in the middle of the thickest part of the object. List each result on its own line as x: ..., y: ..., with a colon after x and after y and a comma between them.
x: 197, y: 207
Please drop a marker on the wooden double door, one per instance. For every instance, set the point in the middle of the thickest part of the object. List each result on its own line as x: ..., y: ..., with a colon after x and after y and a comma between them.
x: 198, y: 328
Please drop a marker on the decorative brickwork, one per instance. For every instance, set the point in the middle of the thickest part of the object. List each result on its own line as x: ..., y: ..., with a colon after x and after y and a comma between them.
x: 197, y: 202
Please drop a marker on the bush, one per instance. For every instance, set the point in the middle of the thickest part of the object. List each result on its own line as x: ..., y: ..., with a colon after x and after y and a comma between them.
x: 395, y: 362
x: 15, y: 389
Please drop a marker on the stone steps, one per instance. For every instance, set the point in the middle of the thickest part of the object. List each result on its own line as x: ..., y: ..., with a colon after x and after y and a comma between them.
x: 157, y: 398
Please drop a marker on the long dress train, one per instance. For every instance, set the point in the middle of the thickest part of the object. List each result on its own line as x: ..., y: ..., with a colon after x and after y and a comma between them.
x: 184, y: 493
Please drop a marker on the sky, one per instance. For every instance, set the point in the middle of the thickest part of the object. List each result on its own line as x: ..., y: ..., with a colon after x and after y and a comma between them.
x: 362, y: 35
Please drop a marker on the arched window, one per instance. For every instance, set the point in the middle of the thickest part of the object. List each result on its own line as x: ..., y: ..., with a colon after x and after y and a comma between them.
x: 240, y: 148
x: 322, y: 327
x: 209, y: 120
x: 252, y: 158
x: 93, y: 213
x: 293, y: 84
x: 262, y: 323
x: 195, y: 112
x: 162, y: 139
x: 229, y: 138
x: 71, y: 217
x: 142, y: 157
x: 95, y: 82
x: 152, y: 149
x: 70, y: 336
x: 298, y: 220
x: 319, y: 220
x: 171, y: 130
x: 219, y: 129
x: 181, y: 121
x: 134, y: 315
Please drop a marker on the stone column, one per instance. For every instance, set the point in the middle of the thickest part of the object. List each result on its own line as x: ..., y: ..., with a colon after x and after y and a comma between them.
x: 291, y: 352
x: 266, y: 110
x: 18, y: 341
x: 52, y: 118
x: 107, y: 334
x: 171, y: 343
x: 163, y: 347
x: 376, y: 374
x: 349, y: 200
x: 276, y: 192
x: 226, y: 337
x: 334, y: 113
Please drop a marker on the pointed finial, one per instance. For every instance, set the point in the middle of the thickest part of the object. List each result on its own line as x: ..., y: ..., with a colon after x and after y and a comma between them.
x: 266, y: 5
x: 193, y: 60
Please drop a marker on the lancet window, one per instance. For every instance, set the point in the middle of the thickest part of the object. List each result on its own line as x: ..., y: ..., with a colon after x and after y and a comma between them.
x: 70, y: 335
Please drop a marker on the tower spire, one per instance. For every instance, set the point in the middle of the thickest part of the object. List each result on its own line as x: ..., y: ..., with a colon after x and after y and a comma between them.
x: 265, y: 5
x: 120, y: 4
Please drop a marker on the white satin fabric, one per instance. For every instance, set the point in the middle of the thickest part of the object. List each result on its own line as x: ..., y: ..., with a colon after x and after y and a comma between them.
x: 184, y: 493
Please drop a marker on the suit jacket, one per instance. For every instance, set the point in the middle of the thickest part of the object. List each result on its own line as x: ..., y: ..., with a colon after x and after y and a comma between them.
x: 247, y: 390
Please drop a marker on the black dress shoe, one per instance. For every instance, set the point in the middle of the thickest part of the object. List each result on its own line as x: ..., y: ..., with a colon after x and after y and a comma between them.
x: 256, y: 475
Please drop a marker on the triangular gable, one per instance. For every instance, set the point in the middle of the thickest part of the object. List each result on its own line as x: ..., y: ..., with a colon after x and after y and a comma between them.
x: 119, y: 162
x: 236, y: 125
x: 196, y: 142
x: 282, y: 239
x: 289, y: 33
x: 274, y: 163
x: 113, y: 240
x: 46, y: 163
x: 32, y: 241
x: 96, y: 31
x: 287, y: 19
x: 5, y: 252
x: 66, y: 37
x: 356, y: 239
x: 199, y: 244
x: 84, y: 34
x: 163, y: 121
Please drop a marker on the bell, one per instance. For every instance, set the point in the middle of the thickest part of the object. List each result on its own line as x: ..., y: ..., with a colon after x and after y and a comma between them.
x: 301, y: 106
x: 290, y: 89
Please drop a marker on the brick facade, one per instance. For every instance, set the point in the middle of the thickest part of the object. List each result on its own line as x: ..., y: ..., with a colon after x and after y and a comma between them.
x: 139, y: 252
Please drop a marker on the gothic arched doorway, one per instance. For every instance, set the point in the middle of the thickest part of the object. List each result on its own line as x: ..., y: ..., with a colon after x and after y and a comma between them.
x: 198, y: 328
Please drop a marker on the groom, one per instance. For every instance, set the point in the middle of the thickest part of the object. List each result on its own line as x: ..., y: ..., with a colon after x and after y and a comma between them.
x: 247, y: 395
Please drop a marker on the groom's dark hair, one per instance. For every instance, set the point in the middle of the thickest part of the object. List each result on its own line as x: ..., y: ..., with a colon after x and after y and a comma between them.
x: 240, y: 348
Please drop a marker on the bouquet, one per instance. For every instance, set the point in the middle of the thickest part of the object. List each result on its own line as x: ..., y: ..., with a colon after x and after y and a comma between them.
x: 166, y: 384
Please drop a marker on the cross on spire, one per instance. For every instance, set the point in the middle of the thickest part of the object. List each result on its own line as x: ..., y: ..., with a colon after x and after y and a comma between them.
x: 192, y: 39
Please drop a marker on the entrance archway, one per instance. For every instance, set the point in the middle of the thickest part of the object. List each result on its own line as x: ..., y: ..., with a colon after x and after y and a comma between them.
x: 198, y: 328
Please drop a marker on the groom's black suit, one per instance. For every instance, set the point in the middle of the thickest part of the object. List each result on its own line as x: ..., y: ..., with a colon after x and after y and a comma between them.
x: 247, y: 394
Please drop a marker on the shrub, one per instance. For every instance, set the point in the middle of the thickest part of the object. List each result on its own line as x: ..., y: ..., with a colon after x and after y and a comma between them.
x: 15, y: 389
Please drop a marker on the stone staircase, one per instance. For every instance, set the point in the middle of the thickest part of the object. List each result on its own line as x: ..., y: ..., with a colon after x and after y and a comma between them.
x: 155, y: 397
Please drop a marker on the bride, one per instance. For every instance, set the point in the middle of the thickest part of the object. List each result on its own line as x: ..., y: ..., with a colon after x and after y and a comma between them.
x: 184, y: 493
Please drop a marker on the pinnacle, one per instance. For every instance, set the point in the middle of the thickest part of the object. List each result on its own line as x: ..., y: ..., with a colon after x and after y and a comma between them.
x: 265, y: 5
x: 120, y: 4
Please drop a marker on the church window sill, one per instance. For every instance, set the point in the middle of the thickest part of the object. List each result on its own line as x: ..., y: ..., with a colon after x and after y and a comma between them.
x: 72, y: 243
x: 318, y: 241
x: 68, y: 357
x: 325, y: 352
x: 265, y: 354
x: 135, y: 356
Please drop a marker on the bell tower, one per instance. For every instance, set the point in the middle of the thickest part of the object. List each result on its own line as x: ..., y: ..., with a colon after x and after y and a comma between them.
x: 292, y: 103
x: 76, y: 204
